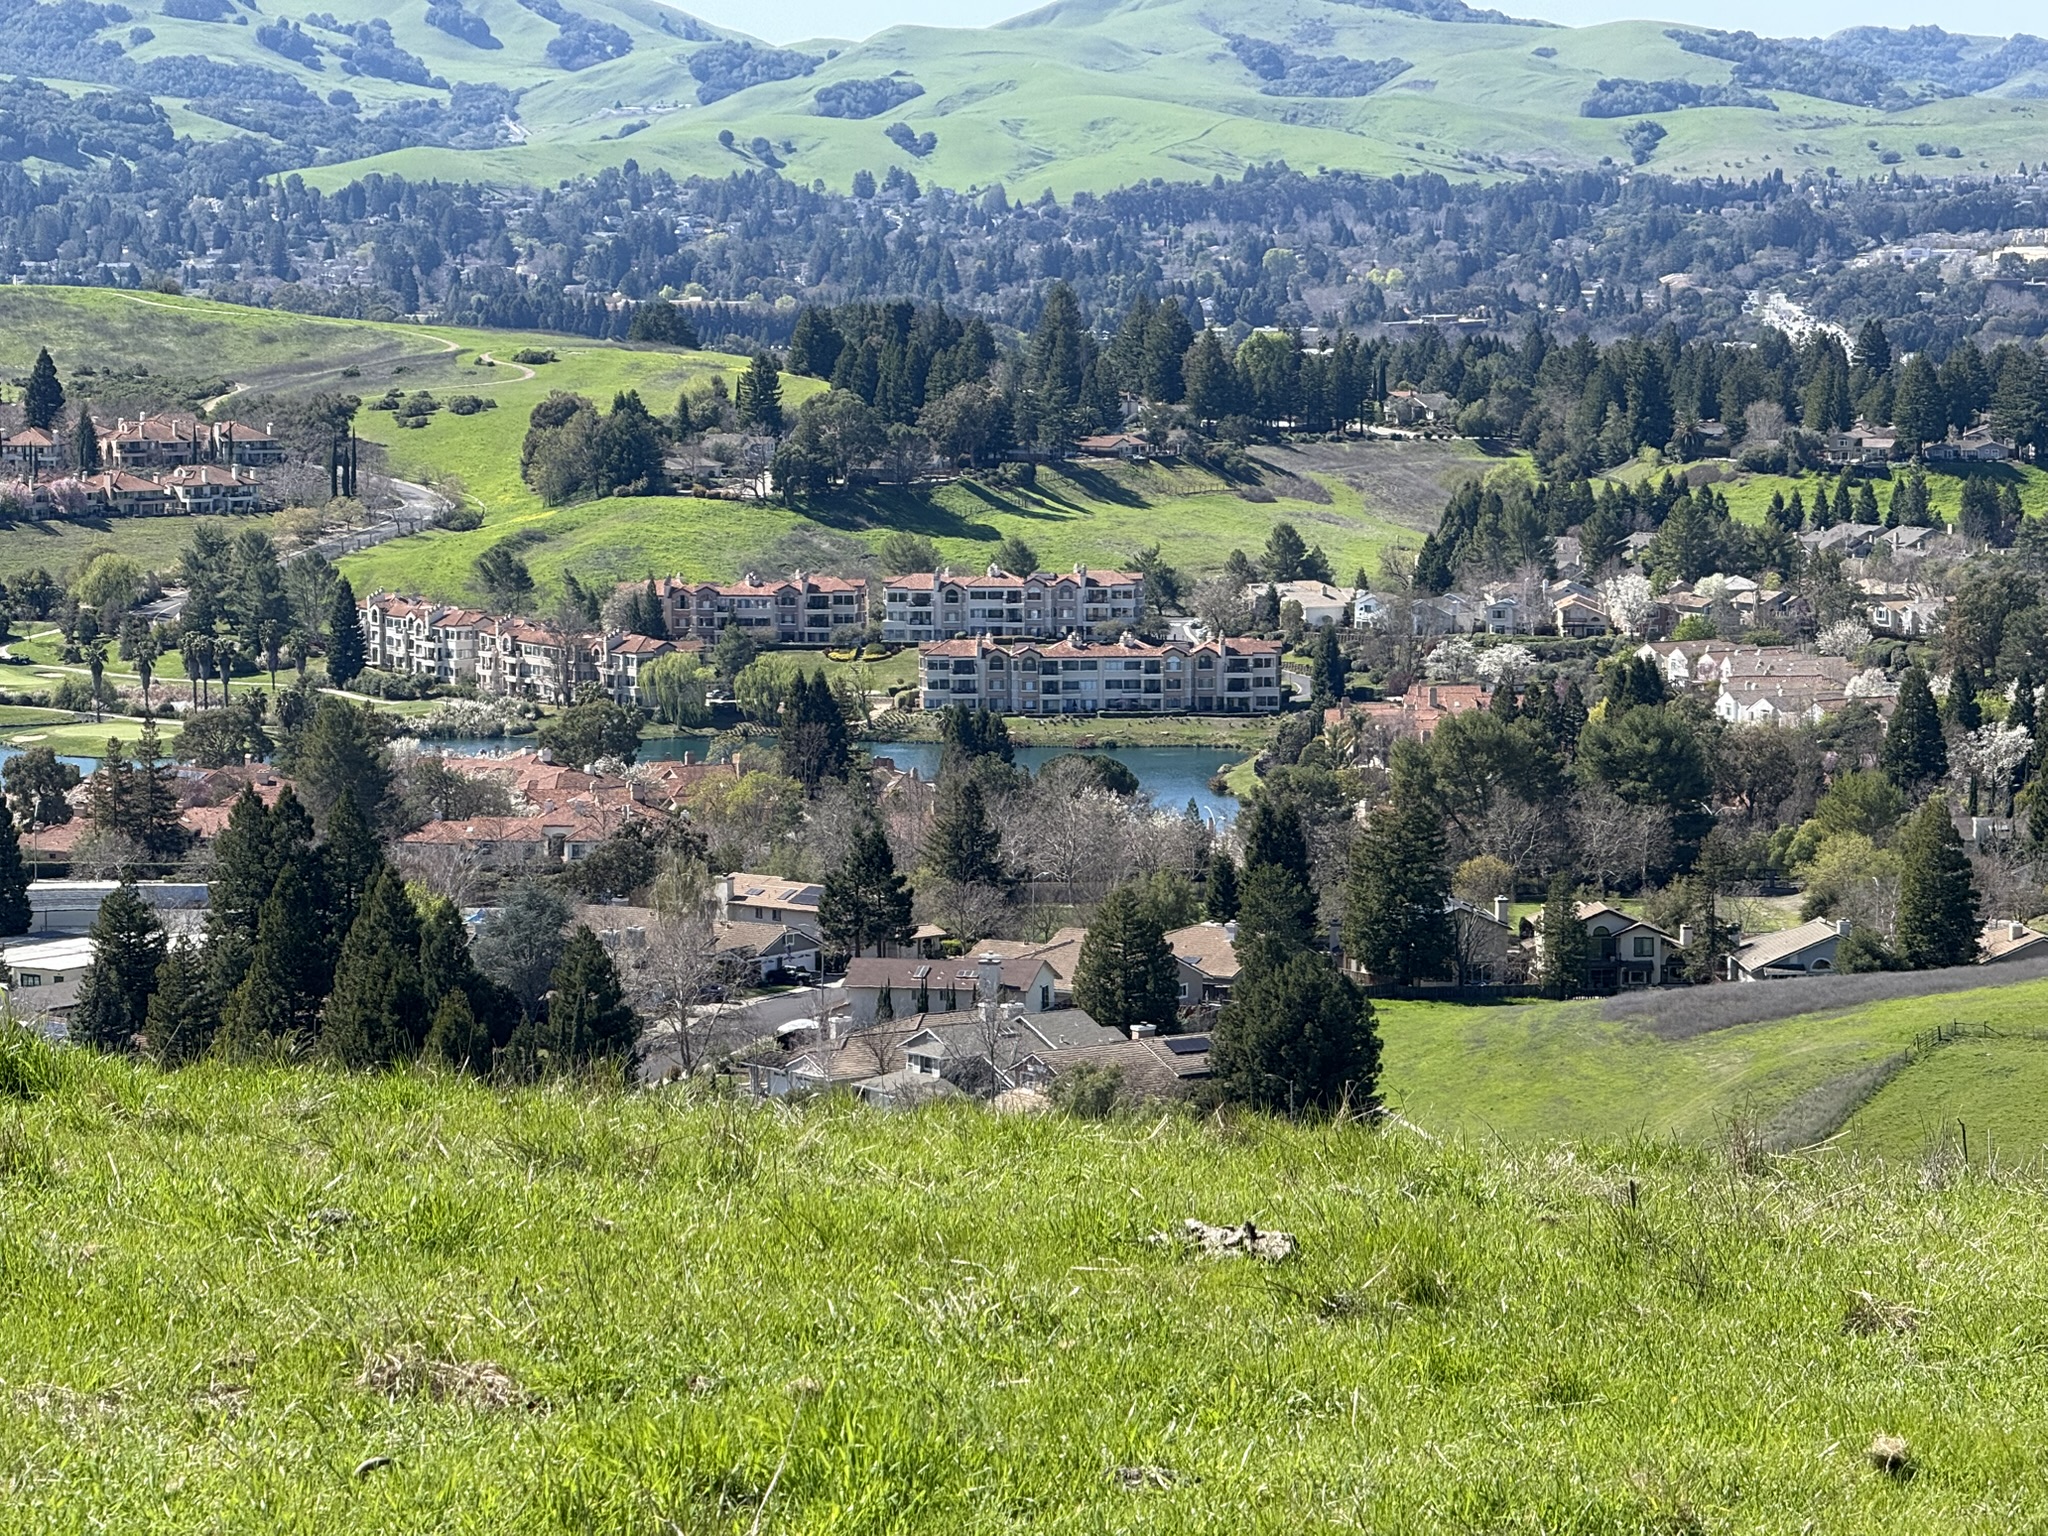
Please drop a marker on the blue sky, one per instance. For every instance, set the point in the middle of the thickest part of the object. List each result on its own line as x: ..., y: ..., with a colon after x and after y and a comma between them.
x: 782, y: 21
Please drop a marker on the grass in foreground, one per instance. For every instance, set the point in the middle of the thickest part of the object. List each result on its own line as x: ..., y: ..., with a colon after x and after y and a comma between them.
x: 572, y: 1310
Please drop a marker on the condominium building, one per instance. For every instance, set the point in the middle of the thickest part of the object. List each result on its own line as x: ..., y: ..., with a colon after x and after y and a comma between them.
x: 618, y: 659
x: 419, y: 638
x: 516, y: 659
x: 937, y: 605
x: 795, y: 610
x: 1077, y: 676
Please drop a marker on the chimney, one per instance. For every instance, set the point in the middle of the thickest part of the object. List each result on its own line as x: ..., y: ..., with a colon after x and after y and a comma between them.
x: 1685, y: 935
x: 990, y: 969
x: 1143, y: 1031
x: 2015, y: 931
x: 1842, y: 926
x: 723, y: 890
x: 1500, y: 910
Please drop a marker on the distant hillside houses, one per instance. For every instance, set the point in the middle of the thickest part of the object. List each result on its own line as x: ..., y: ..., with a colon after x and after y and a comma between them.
x: 153, y: 466
x: 1076, y: 676
x: 504, y: 657
x: 940, y: 605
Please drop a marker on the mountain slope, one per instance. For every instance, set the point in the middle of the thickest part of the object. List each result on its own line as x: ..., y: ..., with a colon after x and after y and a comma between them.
x: 1099, y: 93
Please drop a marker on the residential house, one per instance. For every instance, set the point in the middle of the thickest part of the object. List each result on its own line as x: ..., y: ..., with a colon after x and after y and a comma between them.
x: 47, y: 974
x: 1153, y: 1068
x: 1368, y: 610
x: 1568, y: 556
x: 1775, y: 685
x: 1115, y: 445
x: 1908, y: 618
x: 1486, y: 948
x: 899, y: 988
x: 1044, y: 605
x: 1419, y: 407
x: 2010, y: 941
x: 1977, y: 446
x: 1908, y: 539
x: 208, y: 490
x: 1623, y: 953
x: 513, y: 842
x: 71, y: 906
x: 1862, y: 444
x: 1077, y: 676
x: 154, y: 442
x: 1850, y: 540
x: 1808, y: 950
x: 1579, y: 617
x: 30, y: 452
x: 761, y: 952
x: 1205, y: 954
x: 743, y: 897
x: 895, y: 1064
x: 420, y: 638
x: 516, y: 659
x: 124, y: 495
x: 1320, y: 602
x: 1504, y: 614
x: 618, y: 658
x: 796, y: 610
x: 1450, y: 613
x: 236, y: 442
x: 1418, y: 712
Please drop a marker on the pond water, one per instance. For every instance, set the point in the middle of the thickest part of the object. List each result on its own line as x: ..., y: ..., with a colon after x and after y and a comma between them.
x: 1171, y: 775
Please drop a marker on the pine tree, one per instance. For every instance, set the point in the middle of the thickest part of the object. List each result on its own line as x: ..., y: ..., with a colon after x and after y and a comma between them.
x: 1563, y: 971
x: 344, y: 636
x: 350, y: 860
x: 182, y: 1016
x: 1276, y: 918
x: 85, y: 444
x: 43, y: 401
x: 964, y: 846
x: 1127, y: 975
x: 865, y: 903
x: 377, y: 1012
x: 1938, y: 922
x: 127, y: 948
x: 1220, y: 902
x: 1961, y: 708
x: 1330, y: 667
x: 814, y: 744
x: 278, y: 1000
x: 1272, y: 833
x: 759, y: 396
x: 588, y: 1018
x: 15, y: 915
x: 1914, y: 753
x: 445, y: 965
x: 1300, y: 1039
x: 343, y: 754
x: 456, y: 1038
x: 1397, y: 927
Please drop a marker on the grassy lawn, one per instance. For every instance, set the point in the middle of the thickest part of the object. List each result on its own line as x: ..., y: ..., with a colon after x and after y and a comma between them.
x: 576, y: 1311
x: 1545, y: 1069
x: 85, y: 739
x: 62, y: 547
x: 1997, y: 1088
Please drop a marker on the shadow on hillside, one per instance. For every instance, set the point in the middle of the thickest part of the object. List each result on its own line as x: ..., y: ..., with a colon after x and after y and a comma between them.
x: 894, y: 507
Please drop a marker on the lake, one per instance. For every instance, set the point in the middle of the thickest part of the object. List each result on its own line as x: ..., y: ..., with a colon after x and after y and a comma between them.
x: 1171, y: 775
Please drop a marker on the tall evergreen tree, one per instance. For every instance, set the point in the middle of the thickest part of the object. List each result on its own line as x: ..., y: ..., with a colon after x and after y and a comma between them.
x: 1914, y: 753
x: 15, y: 915
x: 127, y: 948
x: 85, y: 444
x: 814, y: 745
x: 865, y: 903
x: 1938, y: 923
x: 759, y: 395
x: 588, y: 1018
x: 1219, y: 903
x: 1272, y: 833
x: 1396, y: 927
x: 278, y: 1001
x: 182, y: 1016
x: 43, y: 401
x: 377, y: 1012
x: 349, y: 860
x: 964, y: 846
x: 1276, y: 918
x: 1330, y: 666
x: 1127, y: 975
x: 445, y: 965
x: 344, y: 635
x: 1565, y: 953
x: 343, y: 754
x: 1299, y: 1039
x: 456, y: 1038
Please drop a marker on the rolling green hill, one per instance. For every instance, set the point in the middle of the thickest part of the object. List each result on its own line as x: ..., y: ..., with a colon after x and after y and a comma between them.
x: 248, y: 1300
x: 1090, y: 94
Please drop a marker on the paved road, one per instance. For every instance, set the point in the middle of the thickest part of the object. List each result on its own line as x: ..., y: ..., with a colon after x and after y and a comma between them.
x: 737, y: 1024
x: 418, y: 508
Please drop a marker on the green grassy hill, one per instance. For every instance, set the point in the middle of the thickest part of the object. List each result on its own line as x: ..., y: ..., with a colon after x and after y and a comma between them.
x: 1080, y: 515
x: 1101, y: 93
x: 251, y: 1301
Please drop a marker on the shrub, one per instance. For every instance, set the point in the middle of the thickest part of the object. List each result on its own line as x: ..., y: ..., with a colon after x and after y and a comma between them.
x: 469, y: 405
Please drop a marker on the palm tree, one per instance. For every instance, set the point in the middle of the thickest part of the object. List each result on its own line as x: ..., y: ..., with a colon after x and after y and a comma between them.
x: 273, y: 644
x: 224, y: 662
x: 144, y: 657
x: 96, y: 659
x: 188, y: 652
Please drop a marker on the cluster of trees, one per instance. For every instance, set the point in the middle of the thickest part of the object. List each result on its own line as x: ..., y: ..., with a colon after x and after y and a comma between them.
x: 316, y: 945
x: 572, y: 451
